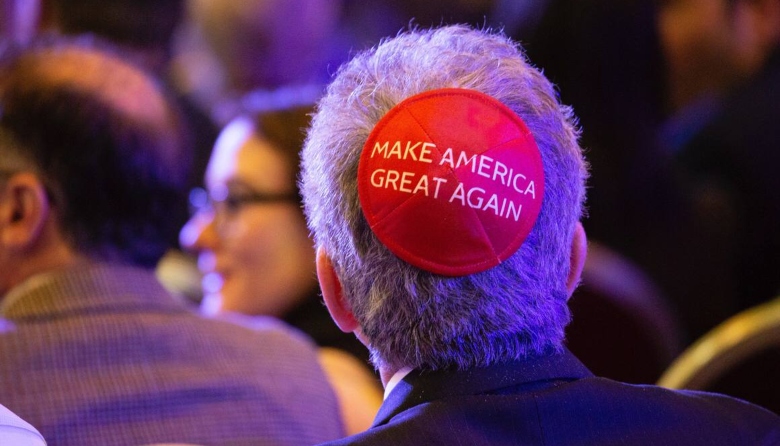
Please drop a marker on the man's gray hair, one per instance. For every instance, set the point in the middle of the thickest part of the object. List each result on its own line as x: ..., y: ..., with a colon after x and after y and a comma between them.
x: 412, y: 317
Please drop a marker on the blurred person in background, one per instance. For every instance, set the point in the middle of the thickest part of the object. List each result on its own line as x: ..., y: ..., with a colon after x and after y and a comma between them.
x: 18, y: 19
x: 257, y: 54
x: 676, y: 99
x: 255, y: 252
x: 93, y: 350
x: 364, y: 23
x: 145, y: 31
x: 605, y: 59
x: 723, y: 76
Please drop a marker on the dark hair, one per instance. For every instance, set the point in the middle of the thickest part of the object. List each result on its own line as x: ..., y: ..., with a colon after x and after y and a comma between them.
x: 115, y: 172
x: 286, y: 130
x: 139, y: 23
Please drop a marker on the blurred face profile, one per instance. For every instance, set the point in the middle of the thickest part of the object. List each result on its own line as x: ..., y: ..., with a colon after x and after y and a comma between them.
x: 252, y: 241
x: 709, y: 45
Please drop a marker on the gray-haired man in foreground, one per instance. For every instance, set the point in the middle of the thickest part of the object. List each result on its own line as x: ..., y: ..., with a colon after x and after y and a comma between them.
x: 444, y: 185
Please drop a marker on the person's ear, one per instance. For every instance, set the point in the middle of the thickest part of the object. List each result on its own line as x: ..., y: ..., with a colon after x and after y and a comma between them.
x: 24, y: 210
x: 579, y: 252
x: 332, y: 293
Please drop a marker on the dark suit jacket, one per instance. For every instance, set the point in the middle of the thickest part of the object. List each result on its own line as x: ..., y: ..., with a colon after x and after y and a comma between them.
x: 104, y: 356
x: 555, y: 400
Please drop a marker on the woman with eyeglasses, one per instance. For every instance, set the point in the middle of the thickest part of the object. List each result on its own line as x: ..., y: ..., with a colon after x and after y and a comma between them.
x: 254, y: 250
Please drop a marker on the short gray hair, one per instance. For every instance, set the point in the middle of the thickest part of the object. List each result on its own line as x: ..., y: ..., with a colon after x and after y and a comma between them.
x: 412, y: 317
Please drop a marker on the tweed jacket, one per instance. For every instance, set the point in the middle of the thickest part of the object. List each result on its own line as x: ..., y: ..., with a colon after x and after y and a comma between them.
x: 103, y: 355
x: 555, y: 400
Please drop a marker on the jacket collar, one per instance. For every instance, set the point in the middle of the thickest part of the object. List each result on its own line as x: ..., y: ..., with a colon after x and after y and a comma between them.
x: 419, y: 387
x: 86, y: 288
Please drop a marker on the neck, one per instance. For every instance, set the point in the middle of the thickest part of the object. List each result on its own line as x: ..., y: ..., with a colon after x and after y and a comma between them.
x: 52, y: 260
x: 386, y: 373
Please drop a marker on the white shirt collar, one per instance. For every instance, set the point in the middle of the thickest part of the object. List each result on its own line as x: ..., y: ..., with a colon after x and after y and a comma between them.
x: 395, y: 379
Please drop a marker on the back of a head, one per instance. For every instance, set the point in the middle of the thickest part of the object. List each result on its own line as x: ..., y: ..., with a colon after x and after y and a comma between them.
x: 410, y: 316
x: 103, y: 139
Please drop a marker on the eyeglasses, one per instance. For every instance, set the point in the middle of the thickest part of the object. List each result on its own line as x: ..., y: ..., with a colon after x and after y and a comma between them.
x: 223, y: 202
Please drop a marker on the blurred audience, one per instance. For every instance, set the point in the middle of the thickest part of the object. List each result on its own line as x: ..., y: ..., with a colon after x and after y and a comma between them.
x: 18, y: 20
x: 711, y: 46
x: 723, y: 60
x: 93, y: 351
x: 604, y: 57
x: 240, y: 55
x: 676, y: 100
x: 145, y: 31
x: 255, y: 252
x: 363, y: 23
x: 143, y: 28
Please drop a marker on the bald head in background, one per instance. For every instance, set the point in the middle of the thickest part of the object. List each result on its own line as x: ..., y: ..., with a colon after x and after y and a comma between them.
x: 127, y: 89
x: 98, y: 132
x: 92, y: 163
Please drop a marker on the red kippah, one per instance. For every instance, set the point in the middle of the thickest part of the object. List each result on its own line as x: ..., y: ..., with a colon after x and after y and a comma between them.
x: 451, y: 181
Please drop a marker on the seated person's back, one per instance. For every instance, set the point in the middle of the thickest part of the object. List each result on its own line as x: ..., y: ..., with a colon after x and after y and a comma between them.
x: 92, y: 349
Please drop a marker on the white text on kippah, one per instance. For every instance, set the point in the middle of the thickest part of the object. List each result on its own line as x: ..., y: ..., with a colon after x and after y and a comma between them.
x: 433, y: 186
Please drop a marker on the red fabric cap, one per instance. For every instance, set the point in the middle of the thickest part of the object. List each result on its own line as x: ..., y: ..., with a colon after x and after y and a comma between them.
x: 451, y: 181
